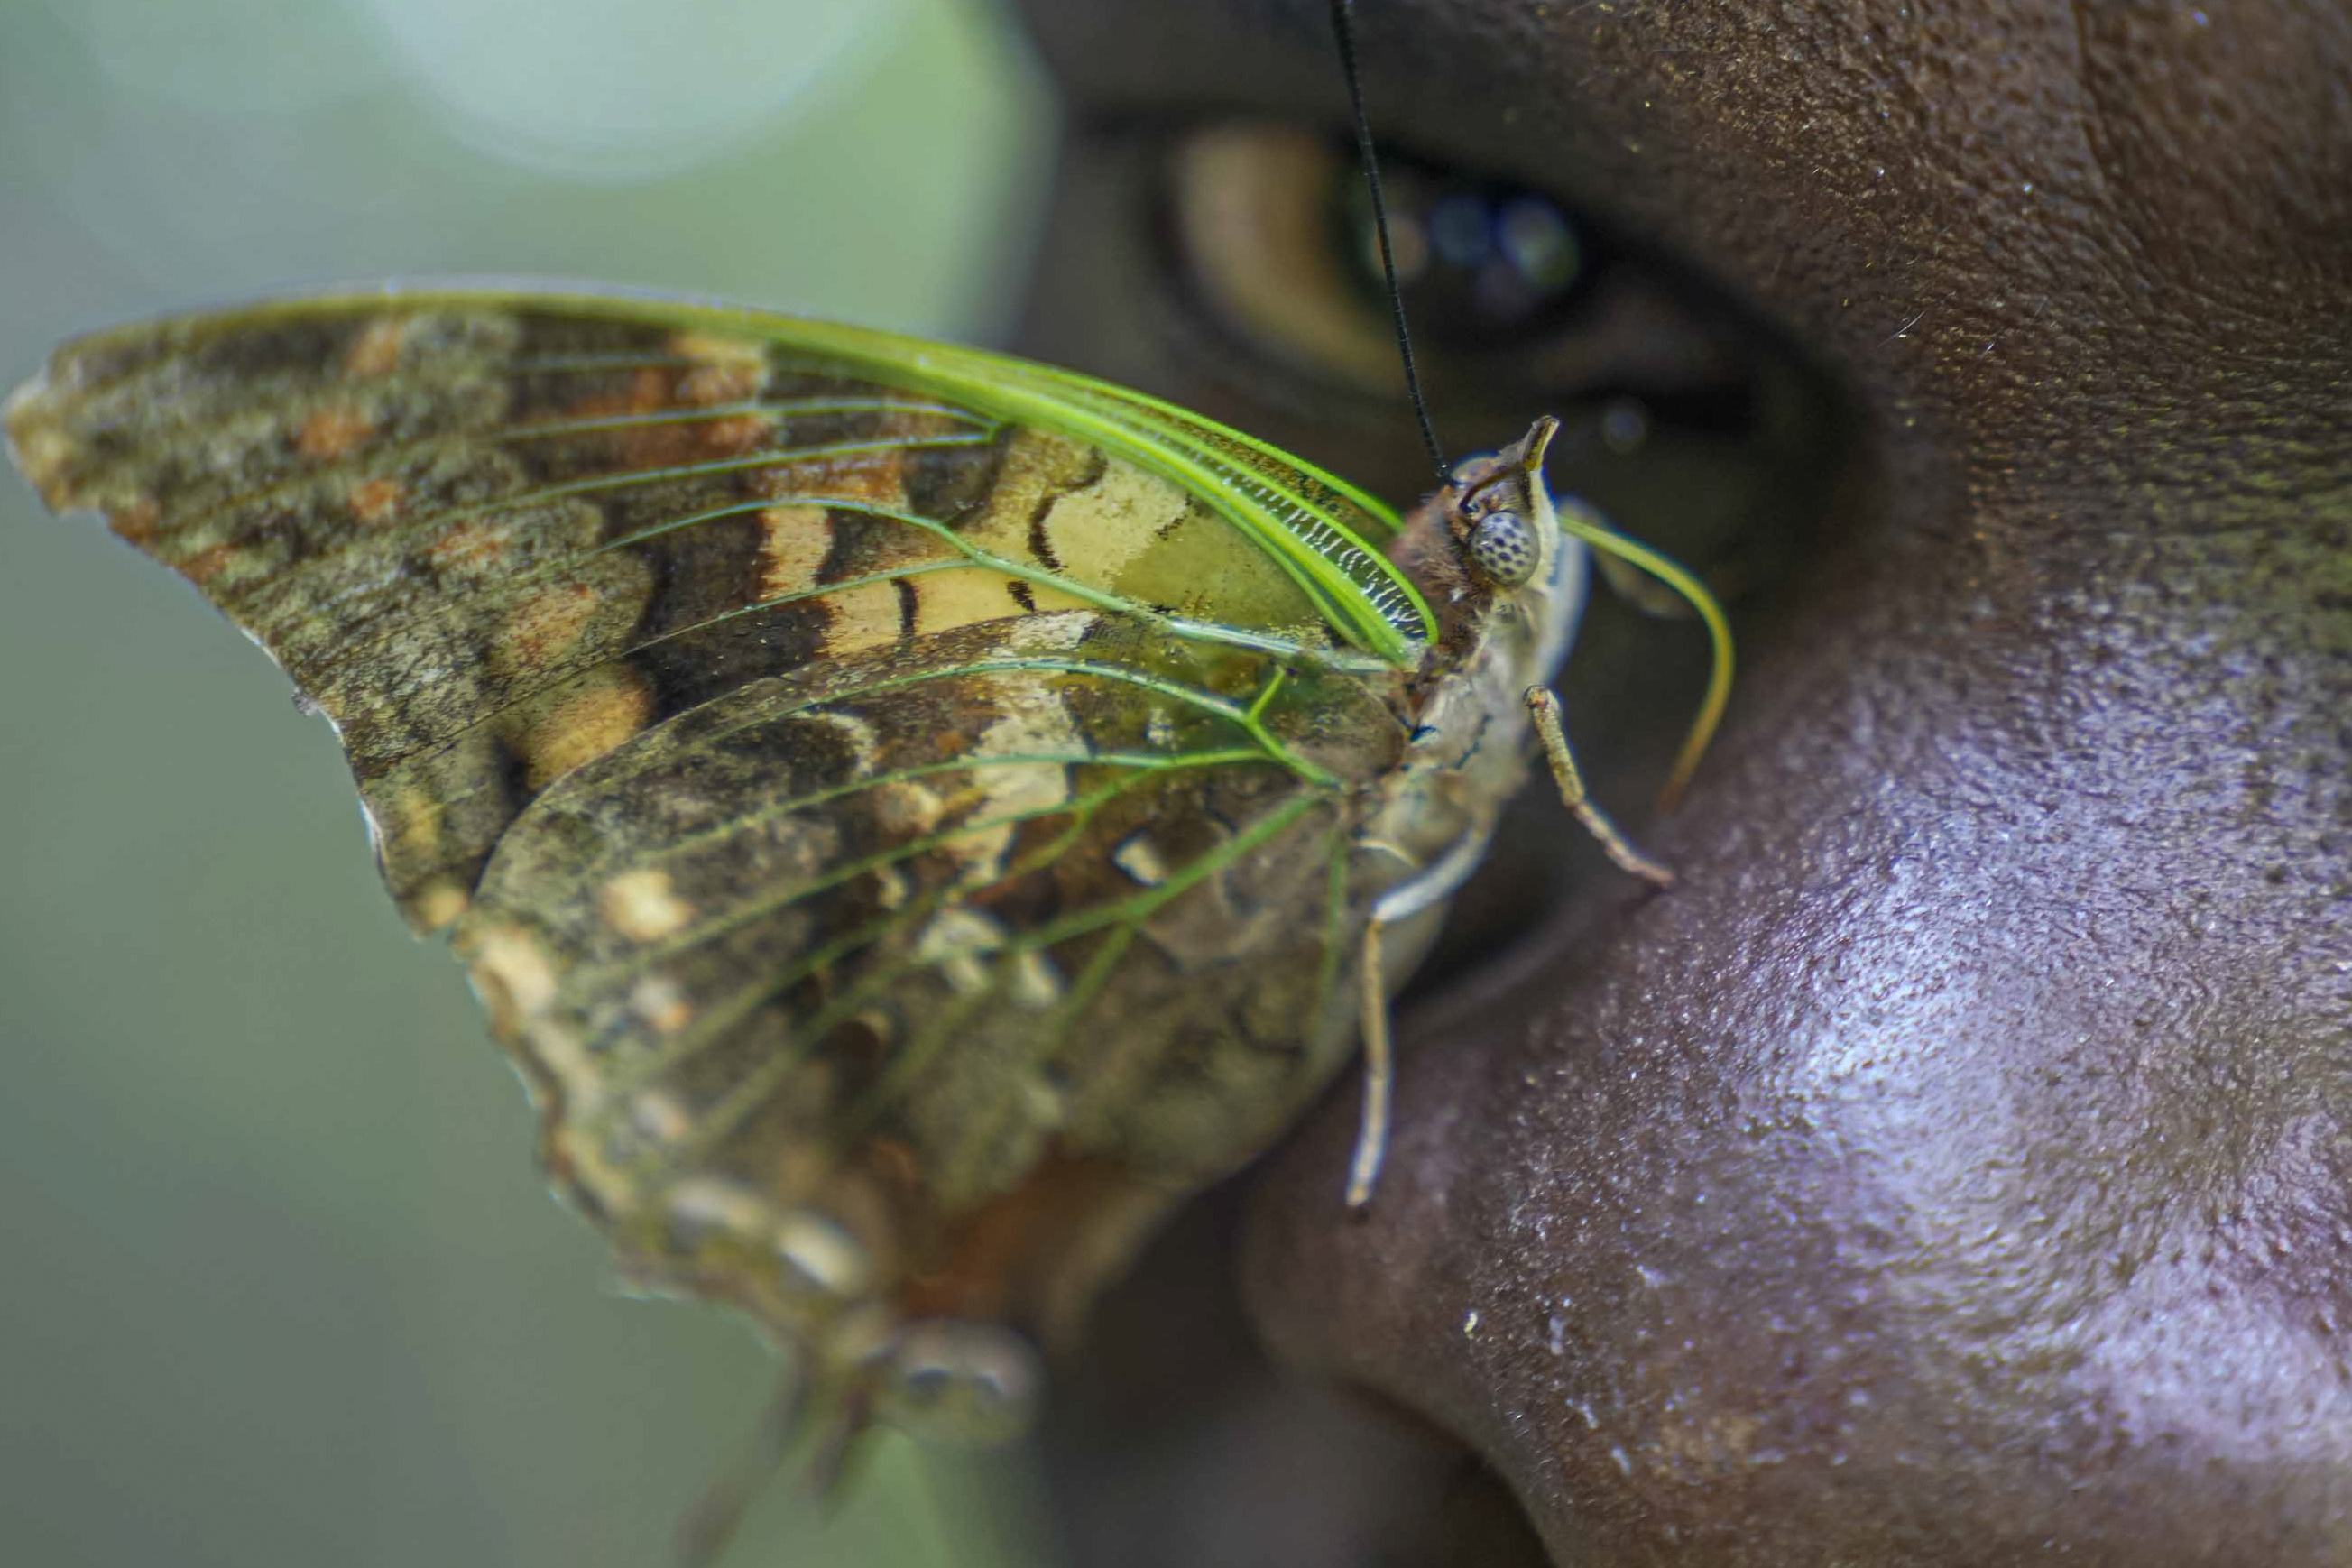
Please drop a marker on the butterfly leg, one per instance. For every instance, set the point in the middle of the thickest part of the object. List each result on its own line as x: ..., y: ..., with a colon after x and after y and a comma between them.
x: 1544, y: 708
x: 705, y: 1532
x: 1380, y: 1073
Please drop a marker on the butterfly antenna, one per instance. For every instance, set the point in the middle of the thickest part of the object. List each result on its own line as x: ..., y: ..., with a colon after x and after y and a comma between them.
x: 1343, y: 30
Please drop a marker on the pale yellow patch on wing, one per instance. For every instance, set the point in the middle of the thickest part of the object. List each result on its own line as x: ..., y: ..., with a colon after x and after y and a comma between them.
x: 438, y: 904
x: 1096, y: 532
x: 474, y: 547
x: 889, y: 886
x: 864, y: 616
x: 561, y: 1053
x: 1207, y: 567
x: 699, y: 1206
x: 728, y: 370
x: 956, y: 943
x: 1037, y: 467
x: 656, y: 999
x: 718, y: 348
x: 821, y: 1254
x: 407, y: 826
x: 1137, y: 857
x: 865, y: 741
x: 376, y: 351
x: 1035, y: 724
x: 544, y: 629
x: 512, y: 975
x: 793, y: 546
x: 42, y: 451
x: 660, y: 1115
x: 592, y: 715
x: 906, y: 808
x: 1056, y: 632
x: 331, y: 432
x: 1051, y: 600
x: 1035, y: 982
x: 945, y: 600
x: 643, y: 905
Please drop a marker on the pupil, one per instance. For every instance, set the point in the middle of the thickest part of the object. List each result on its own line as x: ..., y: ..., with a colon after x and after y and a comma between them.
x: 1482, y: 265
x: 1538, y: 243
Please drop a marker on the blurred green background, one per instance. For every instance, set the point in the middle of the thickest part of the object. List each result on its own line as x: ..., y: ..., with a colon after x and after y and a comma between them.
x: 283, y: 1285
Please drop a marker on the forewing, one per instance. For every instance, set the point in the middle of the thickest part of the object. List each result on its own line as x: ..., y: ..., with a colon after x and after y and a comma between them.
x: 874, y: 818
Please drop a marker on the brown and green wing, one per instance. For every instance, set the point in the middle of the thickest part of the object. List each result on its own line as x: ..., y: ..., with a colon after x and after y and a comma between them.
x: 901, y: 818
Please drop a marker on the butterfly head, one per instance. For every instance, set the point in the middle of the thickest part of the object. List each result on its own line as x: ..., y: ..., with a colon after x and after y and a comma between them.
x: 1489, y: 552
x: 1500, y: 513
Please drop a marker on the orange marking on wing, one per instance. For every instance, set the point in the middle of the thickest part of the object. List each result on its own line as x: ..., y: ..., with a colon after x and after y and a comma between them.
x: 734, y: 435
x: 546, y: 627
x: 727, y: 371
x: 331, y: 432
x: 604, y: 707
x: 136, y: 521
x: 663, y: 445
x: 376, y: 351
x: 875, y: 477
x: 1003, y: 1258
x: 373, y: 501
x: 648, y: 393
x: 709, y: 383
x: 471, y: 546
x: 206, y: 564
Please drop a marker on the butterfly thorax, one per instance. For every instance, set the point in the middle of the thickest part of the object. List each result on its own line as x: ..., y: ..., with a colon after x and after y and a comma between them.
x: 1507, y: 586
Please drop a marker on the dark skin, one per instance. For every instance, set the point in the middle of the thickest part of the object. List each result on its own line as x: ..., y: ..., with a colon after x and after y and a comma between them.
x: 1953, y: 1168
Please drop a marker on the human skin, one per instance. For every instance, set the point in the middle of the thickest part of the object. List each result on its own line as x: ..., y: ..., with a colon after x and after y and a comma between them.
x: 1953, y: 1169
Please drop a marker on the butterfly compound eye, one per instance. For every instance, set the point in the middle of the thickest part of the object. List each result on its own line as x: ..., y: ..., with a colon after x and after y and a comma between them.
x: 965, y: 1382
x: 1504, y: 547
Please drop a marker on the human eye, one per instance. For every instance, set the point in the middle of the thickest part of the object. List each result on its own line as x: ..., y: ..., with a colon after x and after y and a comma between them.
x: 1231, y: 262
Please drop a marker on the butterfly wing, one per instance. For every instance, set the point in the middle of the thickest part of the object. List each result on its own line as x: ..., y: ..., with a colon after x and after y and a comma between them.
x: 897, y: 802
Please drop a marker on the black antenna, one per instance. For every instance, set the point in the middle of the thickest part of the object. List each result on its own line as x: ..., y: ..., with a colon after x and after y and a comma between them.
x: 1343, y: 28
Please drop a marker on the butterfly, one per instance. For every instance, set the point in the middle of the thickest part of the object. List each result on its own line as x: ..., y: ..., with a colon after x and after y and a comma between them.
x: 913, y: 815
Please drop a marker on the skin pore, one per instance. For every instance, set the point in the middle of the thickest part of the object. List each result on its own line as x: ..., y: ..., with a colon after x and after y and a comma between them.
x: 1954, y: 1167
